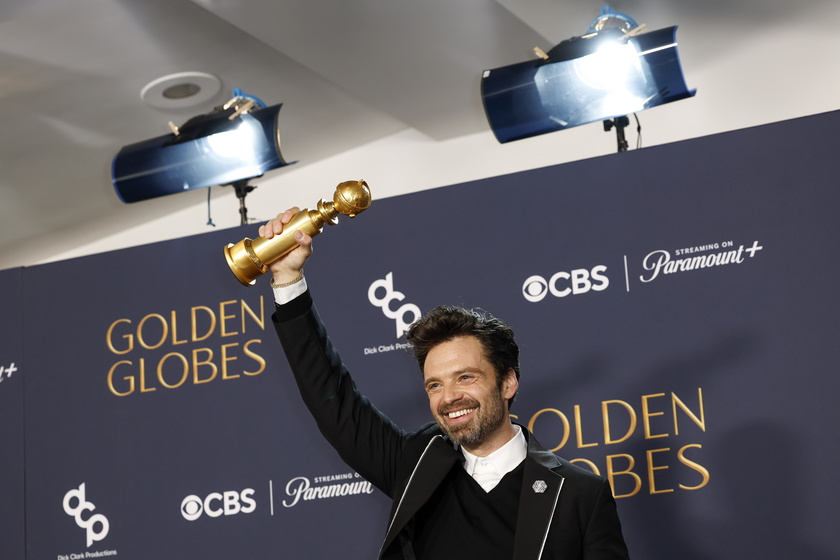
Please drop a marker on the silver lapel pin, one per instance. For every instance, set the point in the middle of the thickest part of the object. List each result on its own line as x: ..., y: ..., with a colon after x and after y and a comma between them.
x: 539, y: 486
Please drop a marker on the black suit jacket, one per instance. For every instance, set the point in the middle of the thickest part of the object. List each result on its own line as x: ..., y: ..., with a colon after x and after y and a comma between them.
x: 565, y: 512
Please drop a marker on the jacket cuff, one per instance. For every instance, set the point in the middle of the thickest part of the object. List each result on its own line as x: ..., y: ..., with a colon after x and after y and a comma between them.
x: 295, y: 308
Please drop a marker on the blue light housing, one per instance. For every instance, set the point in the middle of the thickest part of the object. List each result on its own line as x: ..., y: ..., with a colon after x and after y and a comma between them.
x: 218, y: 148
x: 584, y: 79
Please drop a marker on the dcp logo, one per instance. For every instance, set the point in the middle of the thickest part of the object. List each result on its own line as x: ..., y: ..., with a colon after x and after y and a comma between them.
x: 562, y: 284
x: 217, y: 504
x: 89, y: 524
x: 399, y: 315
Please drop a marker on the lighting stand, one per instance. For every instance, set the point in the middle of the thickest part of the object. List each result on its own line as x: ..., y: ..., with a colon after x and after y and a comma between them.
x: 620, y: 123
x: 242, y: 189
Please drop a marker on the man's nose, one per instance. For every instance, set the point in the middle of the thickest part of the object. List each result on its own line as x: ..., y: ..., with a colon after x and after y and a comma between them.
x: 452, y: 393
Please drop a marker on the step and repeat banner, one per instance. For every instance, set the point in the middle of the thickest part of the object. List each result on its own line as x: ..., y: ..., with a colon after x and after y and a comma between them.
x: 676, y: 308
x: 12, y: 541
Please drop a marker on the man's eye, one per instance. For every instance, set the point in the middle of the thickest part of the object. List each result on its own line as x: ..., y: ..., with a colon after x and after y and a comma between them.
x: 467, y: 378
x: 433, y: 387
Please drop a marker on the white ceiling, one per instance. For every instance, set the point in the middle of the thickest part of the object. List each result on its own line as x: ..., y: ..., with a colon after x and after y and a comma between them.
x: 349, y: 73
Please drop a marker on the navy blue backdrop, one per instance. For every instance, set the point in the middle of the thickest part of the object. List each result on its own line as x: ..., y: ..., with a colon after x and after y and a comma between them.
x: 11, y: 416
x: 676, y: 308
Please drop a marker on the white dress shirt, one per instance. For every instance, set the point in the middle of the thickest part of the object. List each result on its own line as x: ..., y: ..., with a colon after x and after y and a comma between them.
x: 488, y: 471
x: 288, y: 293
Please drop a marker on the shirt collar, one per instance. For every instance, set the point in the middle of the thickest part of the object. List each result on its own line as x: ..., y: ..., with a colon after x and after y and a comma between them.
x: 504, y: 459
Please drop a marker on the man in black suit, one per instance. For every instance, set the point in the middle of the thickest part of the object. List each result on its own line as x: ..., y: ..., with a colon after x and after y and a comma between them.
x: 472, y: 484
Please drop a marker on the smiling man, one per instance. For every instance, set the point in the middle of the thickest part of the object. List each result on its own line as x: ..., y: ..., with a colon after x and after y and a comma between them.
x: 471, y: 484
x: 468, y: 395
x: 465, y: 398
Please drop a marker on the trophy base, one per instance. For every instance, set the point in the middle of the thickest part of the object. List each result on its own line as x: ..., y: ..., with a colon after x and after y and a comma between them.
x: 231, y: 253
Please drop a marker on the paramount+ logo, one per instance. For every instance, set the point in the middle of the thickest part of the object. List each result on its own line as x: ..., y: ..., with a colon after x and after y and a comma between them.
x: 217, y: 504
x: 562, y: 284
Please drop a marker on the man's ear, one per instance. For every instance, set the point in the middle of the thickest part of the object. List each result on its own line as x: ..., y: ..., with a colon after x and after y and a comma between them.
x: 510, y: 384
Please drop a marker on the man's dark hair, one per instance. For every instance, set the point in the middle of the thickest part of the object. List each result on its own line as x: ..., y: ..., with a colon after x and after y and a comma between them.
x: 447, y: 322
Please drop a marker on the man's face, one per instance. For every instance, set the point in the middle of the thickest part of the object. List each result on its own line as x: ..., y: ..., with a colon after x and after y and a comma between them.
x: 465, y: 396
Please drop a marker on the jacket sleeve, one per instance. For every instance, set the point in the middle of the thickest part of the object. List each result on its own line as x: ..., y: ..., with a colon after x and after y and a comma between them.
x: 603, y: 538
x: 367, y: 440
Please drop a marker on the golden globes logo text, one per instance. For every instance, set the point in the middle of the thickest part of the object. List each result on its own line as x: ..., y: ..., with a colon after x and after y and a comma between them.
x: 645, y: 446
x: 180, y: 348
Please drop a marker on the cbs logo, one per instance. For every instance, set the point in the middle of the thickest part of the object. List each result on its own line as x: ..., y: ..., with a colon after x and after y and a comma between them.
x: 217, y: 504
x: 562, y: 284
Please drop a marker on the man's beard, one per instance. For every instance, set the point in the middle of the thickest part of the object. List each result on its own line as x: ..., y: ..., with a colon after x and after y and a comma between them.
x: 486, y: 421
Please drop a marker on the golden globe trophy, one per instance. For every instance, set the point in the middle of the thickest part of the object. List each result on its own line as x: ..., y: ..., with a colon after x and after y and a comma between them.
x: 249, y: 258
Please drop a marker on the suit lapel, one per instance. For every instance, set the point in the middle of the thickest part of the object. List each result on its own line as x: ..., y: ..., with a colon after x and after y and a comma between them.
x: 432, y: 467
x: 537, y: 501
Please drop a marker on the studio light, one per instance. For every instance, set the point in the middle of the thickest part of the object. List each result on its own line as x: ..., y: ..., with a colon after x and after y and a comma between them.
x: 612, y: 71
x: 232, y: 144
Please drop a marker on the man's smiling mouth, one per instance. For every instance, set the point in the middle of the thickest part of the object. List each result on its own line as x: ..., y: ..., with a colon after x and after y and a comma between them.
x: 459, y: 413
